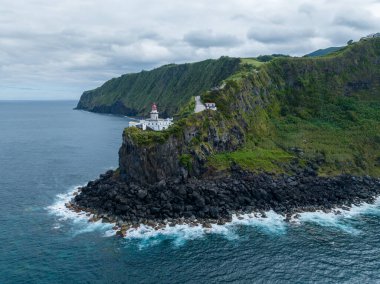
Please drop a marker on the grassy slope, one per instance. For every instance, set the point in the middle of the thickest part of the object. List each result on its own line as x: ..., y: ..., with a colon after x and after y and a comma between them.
x: 324, y: 109
x: 290, y: 111
x: 170, y: 86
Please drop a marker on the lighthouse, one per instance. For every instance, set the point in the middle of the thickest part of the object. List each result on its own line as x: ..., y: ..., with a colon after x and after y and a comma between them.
x: 153, y: 122
x: 154, y: 112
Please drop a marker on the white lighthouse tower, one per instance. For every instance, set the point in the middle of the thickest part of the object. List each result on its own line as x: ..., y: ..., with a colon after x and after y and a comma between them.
x: 154, y: 112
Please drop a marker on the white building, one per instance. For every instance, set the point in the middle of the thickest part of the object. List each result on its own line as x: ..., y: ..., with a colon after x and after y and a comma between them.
x: 154, y: 122
x: 211, y: 106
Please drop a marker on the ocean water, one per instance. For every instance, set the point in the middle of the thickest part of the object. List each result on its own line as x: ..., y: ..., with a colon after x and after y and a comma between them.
x: 47, y: 150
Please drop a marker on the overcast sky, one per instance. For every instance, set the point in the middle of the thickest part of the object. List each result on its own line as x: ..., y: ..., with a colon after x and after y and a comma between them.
x: 57, y: 49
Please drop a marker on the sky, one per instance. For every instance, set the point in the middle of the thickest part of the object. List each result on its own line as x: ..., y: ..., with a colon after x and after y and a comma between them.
x: 58, y: 49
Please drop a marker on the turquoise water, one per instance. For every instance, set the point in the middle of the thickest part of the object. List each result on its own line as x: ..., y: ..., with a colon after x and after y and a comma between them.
x: 46, y: 149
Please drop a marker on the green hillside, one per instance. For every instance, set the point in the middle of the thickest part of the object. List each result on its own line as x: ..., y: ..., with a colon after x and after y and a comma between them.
x: 325, y: 110
x: 286, y: 114
x: 170, y: 86
x: 325, y: 51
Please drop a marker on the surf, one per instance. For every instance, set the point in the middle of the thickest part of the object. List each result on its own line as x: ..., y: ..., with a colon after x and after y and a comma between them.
x: 268, y: 223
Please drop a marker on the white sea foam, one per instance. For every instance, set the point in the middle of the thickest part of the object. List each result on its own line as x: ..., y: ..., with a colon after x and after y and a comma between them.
x: 339, y: 217
x: 270, y: 224
x: 56, y: 226
x: 78, y: 220
x: 178, y: 234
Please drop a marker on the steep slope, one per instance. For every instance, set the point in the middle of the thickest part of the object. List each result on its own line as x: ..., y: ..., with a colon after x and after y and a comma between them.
x: 281, y: 116
x: 324, y: 110
x: 170, y: 86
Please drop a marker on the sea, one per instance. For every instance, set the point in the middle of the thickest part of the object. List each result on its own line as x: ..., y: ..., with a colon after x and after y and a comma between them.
x: 47, y: 150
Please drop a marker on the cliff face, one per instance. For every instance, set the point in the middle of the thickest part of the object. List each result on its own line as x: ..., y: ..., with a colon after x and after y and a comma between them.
x: 150, y: 164
x: 170, y: 86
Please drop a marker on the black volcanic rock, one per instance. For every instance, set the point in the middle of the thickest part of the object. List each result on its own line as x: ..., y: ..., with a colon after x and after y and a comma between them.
x: 219, y: 198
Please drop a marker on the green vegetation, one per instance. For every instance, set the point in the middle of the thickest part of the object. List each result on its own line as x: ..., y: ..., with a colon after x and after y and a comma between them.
x: 267, y: 58
x: 252, y: 61
x: 186, y: 109
x: 248, y: 66
x: 170, y: 86
x: 345, y: 137
x: 185, y: 160
x: 145, y: 138
x: 149, y: 138
x: 323, y: 52
x: 323, y: 109
x: 256, y: 160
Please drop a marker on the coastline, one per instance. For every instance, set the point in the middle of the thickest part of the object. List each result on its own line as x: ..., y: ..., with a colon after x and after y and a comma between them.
x: 128, y: 205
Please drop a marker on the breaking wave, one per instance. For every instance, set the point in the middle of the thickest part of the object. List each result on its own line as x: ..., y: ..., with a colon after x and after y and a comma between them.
x: 78, y: 221
x: 269, y: 223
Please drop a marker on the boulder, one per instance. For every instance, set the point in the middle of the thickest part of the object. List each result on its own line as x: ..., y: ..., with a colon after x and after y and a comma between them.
x: 142, y: 193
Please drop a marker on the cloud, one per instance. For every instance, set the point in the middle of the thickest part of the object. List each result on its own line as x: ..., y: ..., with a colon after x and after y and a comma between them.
x: 360, y: 23
x: 306, y: 8
x: 280, y: 34
x: 58, y: 49
x: 205, y: 39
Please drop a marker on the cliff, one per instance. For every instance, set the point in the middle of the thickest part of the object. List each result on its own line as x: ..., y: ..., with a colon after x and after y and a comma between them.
x: 279, y: 117
x: 170, y: 86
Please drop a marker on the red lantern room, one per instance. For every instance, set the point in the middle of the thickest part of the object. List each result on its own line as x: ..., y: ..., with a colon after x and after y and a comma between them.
x: 154, y: 112
x: 154, y: 107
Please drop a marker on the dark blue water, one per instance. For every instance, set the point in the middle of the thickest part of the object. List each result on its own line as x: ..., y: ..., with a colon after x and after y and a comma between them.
x: 46, y: 149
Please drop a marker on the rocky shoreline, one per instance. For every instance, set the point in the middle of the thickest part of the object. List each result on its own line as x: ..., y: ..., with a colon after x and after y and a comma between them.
x: 214, y: 200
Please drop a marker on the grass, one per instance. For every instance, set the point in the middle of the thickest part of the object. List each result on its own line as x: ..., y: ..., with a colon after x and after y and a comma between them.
x: 344, y: 148
x: 259, y: 159
x: 342, y: 134
x: 149, y: 138
x: 252, y: 61
x: 248, y: 66
x: 145, y: 138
